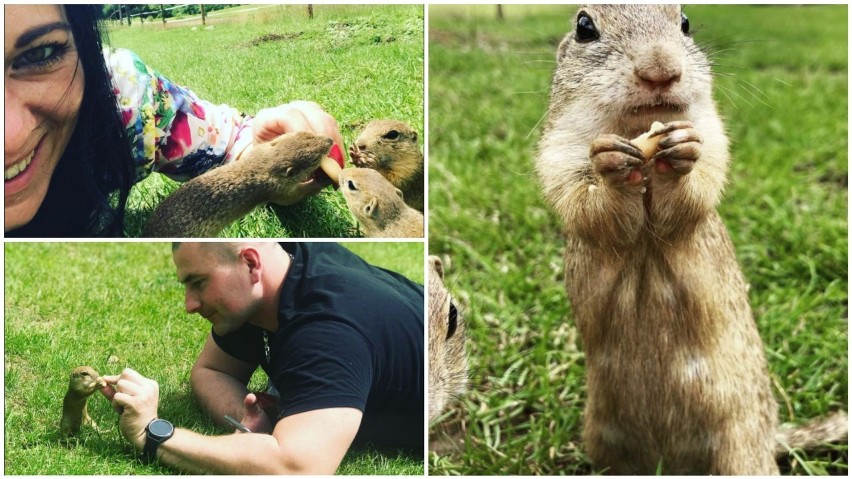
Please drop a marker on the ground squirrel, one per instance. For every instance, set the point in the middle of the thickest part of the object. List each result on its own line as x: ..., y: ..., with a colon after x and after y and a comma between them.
x: 676, y: 372
x: 83, y: 383
x: 378, y: 205
x: 267, y: 172
x: 447, y: 360
x: 390, y: 147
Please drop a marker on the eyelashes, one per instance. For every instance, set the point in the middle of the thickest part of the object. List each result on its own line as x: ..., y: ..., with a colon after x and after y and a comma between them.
x: 41, y: 57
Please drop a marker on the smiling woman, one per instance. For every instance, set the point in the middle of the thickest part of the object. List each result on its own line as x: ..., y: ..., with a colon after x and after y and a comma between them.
x: 49, y: 186
x: 83, y: 124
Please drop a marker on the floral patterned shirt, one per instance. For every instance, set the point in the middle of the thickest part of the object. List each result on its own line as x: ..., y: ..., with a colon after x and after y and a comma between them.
x: 171, y: 130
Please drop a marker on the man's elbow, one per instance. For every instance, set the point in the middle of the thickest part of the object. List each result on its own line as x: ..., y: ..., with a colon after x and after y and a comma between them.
x: 295, y: 463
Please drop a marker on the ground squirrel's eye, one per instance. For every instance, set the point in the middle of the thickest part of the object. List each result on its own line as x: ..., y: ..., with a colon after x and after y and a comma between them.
x: 586, y: 30
x: 684, y: 23
x: 453, y: 321
x: 351, y: 185
x: 391, y: 135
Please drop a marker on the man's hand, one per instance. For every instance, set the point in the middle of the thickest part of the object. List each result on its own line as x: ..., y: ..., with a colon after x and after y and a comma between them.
x: 254, y: 418
x: 135, y: 398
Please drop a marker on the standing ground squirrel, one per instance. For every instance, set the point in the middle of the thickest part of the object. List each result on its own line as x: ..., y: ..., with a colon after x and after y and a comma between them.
x: 83, y: 383
x: 447, y: 359
x: 378, y: 205
x: 268, y: 172
x: 676, y: 371
x: 390, y: 147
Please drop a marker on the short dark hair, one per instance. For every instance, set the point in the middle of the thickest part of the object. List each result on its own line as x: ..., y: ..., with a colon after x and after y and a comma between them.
x: 90, y: 185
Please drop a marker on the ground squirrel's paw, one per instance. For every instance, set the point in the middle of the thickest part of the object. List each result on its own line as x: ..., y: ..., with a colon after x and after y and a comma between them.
x: 617, y: 160
x: 680, y: 148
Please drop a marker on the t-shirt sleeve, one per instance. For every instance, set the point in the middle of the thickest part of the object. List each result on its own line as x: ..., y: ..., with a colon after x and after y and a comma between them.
x: 324, y: 364
x: 170, y: 129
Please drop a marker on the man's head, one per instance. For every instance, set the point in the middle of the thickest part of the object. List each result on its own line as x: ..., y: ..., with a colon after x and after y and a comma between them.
x: 222, y: 281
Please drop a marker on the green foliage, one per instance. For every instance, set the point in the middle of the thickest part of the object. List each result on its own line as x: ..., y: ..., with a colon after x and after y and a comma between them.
x: 359, y: 62
x: 111, y: 306
x: 785, y: 105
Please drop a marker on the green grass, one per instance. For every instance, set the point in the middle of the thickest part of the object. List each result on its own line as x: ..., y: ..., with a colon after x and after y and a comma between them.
x: 116, y: 305
x: 360, y: 62
x: 785, y: 104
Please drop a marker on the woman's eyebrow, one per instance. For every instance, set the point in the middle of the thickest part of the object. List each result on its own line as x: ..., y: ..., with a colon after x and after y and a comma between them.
x: 28, y: 36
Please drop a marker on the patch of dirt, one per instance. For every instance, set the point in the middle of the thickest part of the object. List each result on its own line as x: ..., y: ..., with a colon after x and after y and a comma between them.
x: 274, y: 37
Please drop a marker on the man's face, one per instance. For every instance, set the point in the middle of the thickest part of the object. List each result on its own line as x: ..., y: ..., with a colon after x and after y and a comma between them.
x: 219, y: 289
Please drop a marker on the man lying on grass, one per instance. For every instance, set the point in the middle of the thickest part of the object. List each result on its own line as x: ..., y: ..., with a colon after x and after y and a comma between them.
x: 341, y: 341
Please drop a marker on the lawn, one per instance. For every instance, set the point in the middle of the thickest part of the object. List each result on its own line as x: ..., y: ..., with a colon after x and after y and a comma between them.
x: 785, y: 105
x: 111, y: 306
x: 360, y: 62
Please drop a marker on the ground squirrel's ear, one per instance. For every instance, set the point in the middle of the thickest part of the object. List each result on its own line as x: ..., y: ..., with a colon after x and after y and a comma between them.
x: 371, y: 206
x: 399, y: 192
x: 437, y: 265
x: 414, y: 136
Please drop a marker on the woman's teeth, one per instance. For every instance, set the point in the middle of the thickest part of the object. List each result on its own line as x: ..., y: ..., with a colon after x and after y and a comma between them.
x: 18, y: 167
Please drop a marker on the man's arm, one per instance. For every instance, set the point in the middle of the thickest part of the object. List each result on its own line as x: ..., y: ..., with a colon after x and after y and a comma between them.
x: 312, y: 442
x: 219, y: 382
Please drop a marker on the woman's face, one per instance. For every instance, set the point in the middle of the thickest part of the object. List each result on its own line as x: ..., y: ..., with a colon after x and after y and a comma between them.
x: 44, y: 89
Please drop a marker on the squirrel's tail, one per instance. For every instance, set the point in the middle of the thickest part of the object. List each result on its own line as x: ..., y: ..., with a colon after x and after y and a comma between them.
x: 831, y: 428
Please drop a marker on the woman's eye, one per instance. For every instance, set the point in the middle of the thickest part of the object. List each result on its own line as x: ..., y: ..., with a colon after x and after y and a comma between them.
x: 39, y: 54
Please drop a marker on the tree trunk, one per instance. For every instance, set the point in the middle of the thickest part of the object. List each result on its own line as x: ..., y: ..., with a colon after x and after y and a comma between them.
x: 500, y: 12
x: 163, y: 13
x: 203, y: 16
x: 310, y: 11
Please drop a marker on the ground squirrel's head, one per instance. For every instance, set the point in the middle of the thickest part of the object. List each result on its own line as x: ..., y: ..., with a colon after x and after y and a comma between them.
x: 625, y: 66
x: 85, y: 381
x: 373, y: 200
x: 291, y: 158
x: 447, y: 360
x: 383, y: 143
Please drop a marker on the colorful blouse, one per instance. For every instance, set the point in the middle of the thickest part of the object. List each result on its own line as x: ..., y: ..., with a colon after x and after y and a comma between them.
x: 171, y: 130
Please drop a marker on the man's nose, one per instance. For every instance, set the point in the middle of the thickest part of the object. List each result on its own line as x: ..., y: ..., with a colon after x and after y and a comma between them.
x: 191, y: 302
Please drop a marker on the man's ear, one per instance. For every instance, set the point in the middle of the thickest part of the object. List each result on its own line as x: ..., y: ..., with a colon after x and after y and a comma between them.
x: 251, y: 258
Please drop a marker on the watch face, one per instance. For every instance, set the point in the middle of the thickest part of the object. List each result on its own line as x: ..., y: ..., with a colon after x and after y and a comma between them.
x: 161, y: 428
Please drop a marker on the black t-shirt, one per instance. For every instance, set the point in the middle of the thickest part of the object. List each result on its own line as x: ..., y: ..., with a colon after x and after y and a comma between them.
x: 349, y: 335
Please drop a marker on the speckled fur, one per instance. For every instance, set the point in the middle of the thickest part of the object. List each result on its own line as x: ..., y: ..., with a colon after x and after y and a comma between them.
x: 268, y: 172
x: 399, y: 158
x: 447, y: 358
x: 676, y: 371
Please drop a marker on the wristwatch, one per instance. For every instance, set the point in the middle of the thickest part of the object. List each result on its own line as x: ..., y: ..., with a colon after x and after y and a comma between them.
x: 157, y: 431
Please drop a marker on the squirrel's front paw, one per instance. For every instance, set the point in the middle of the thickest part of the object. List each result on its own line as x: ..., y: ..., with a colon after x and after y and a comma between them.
x: 617, y: 160
x: 680, y: 148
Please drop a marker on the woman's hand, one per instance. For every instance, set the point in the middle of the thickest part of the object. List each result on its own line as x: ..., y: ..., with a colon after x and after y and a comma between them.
x: 271, y: 123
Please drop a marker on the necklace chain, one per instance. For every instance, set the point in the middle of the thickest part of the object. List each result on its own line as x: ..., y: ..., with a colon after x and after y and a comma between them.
x: 266, y: 350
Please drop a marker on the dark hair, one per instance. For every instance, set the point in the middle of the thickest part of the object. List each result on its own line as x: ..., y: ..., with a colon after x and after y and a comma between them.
x: 89, y: 187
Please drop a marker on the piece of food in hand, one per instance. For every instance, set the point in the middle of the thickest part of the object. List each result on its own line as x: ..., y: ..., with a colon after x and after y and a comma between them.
x: 331, y: 165
x: 647, y: 143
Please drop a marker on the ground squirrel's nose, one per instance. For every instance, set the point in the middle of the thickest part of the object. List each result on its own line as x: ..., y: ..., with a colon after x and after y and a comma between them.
x: 658, y: 67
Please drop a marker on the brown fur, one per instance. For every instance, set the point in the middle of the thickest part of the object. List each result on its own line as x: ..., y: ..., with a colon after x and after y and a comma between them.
x: 268, y: 172
x: 390, y: 147
x: 378, y: 205
x: 447, y: 359
x: 676, y: 372
x: 84, y: 381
